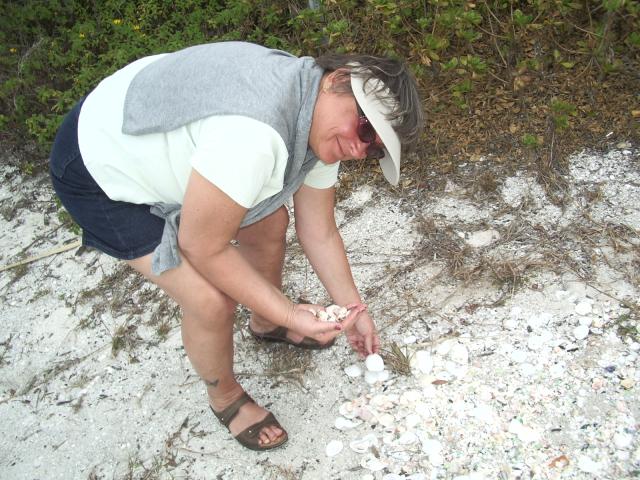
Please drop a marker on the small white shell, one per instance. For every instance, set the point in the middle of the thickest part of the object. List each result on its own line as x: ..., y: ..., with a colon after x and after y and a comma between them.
x: 423, y: 361
x: 370, y: 377
x: 363, y: 444
x: 365, y: 414
x: 353, y: 371
x: 583, y: 308
x: 342, y: 423
x: 348, y: 410
x: 324, y: 316
x: 459, y: 354
x: 408, y: 438
x: 581, y: 332
x: 333, y: 310
x: 370, y: 462
x: 386, y: 420
x: 374, y: 363
x: 412, y: 420
x: 431, y: 446
x: 333, y: 448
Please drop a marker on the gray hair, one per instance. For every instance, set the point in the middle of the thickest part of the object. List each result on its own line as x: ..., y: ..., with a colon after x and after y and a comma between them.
x: 407, y: 118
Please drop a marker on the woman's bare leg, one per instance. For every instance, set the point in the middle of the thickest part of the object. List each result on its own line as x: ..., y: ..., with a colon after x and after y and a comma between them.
x: 207, y: 334
x: 263, y: 244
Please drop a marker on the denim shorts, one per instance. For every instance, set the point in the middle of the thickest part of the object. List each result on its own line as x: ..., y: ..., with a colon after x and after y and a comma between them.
x: 121, y: 229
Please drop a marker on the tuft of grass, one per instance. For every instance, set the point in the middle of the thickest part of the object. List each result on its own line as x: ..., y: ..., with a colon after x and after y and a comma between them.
x: 125, y: 338
x: 397, y: 359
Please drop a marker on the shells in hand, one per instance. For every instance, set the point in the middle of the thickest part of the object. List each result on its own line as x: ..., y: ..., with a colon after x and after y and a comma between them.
x: 333, y: 313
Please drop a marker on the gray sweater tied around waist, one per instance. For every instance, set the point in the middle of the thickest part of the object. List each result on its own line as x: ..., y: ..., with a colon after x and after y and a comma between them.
x: 227, y: 78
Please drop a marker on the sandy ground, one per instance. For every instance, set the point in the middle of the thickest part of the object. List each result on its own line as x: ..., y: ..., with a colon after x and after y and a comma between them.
x: 521, y: 308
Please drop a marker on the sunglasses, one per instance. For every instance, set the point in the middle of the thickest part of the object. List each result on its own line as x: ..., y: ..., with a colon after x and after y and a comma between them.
x: 367, y: 134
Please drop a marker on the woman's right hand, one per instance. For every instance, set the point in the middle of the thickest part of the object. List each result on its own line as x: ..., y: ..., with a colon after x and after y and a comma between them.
x: 302, y: 320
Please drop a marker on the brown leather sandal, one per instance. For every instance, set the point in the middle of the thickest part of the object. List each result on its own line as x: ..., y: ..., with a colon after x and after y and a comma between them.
x: 249, y: 436
x: 280, y: 335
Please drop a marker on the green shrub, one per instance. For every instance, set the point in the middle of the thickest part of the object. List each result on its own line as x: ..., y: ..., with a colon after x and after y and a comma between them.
x: 52, y: 52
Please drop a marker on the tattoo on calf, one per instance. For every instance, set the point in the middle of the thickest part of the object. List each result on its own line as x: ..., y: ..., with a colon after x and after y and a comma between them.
x: 211, y: 383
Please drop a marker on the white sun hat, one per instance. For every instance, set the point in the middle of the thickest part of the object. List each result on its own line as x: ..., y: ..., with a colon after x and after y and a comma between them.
x: 377, y: 111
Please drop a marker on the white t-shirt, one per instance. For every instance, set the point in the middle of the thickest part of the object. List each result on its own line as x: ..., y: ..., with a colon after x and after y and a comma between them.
x: 243, y: 157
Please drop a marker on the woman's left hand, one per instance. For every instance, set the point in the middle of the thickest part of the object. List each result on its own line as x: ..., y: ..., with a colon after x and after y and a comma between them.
x: 362, y: 335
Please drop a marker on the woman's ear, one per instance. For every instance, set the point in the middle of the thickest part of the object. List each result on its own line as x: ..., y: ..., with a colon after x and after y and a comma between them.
x: 337, y: 79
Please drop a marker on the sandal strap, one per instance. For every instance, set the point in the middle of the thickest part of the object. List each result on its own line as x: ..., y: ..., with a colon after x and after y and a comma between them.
x: 229, y: 413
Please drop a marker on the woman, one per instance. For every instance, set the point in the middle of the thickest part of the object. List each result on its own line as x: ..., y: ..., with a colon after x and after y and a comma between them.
x: 216, y: 138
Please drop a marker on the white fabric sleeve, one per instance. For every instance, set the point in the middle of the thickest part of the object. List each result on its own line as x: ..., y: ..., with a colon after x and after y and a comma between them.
x: 243, y: 157
x: 322, y: 175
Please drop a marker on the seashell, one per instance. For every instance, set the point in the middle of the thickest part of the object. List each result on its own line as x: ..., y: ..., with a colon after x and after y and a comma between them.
x: 408, y: 438
x: 353, y: 371
x: 374, y: 363
x: 583, y: 308
x: 409, y: 339
x: 383, y: 376
x: 431, y: 446
x: 363, y: 444
x: 524, y: 433
x: 333, y: 448
x: 388, y: 438
x: 588, y: 465
x: 370, y: 377
x: 324, y: 316
x: 585, y: 321
x: 622, y: 440
x: 519, y: 356
x: 365, y: 414
x: 417, y: 476
x: 371, y: 463
x: 348, y: 410
x: 422, y: 409
x: 423, y: 361
x: 412, y: 420
x: 484, y: 413
x: 381, y: 402
x: 342, y: 423
x: 459, y: 354
x: 386, y: 420
x: 367, y: 476
x: 445, y: 347
x: 581, y: 332
x: 436, y: 459
x: 342, y: 313
x: 409, y: 397
x: 393, y: 476
x: 333, y: 310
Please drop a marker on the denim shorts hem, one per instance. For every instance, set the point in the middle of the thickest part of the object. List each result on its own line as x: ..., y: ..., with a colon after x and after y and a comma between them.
x: 89, y: 241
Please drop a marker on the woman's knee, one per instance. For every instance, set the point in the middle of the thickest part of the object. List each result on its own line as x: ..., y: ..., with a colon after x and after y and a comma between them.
x: 269, y: 230
x: 209, y: 305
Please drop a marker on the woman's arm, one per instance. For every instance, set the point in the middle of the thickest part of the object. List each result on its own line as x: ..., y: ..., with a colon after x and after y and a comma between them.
x: 322, y: 244
x: 209, y: 221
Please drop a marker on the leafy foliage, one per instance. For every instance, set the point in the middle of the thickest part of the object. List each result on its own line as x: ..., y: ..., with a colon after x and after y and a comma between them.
x: 470, y: 58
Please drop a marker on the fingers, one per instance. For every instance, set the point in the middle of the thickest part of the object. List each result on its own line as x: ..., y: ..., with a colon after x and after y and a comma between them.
x: 354, y: 310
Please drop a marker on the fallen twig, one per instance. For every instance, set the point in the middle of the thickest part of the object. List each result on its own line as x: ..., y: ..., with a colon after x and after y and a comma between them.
x: 48, y: 253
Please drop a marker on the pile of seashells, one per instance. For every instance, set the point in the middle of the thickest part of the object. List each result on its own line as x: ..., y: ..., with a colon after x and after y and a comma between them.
x: 333, y: 313
x: 401, y: 442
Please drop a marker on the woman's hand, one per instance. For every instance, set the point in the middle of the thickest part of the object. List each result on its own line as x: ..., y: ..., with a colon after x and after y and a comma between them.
x: 302, y: 320
x: 362, y: 335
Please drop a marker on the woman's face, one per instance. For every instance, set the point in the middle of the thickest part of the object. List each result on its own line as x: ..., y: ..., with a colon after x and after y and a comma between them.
x: 334, y: 126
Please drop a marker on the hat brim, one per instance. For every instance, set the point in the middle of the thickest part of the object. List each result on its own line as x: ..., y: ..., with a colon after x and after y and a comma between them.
x: 376, y: 112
